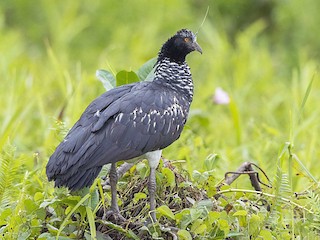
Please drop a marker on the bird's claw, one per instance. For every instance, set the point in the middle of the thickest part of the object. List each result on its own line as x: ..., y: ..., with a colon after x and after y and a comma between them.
x: 114, y: 216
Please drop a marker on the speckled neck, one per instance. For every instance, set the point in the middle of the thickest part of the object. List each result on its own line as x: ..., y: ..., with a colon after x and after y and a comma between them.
x: 175, y: 76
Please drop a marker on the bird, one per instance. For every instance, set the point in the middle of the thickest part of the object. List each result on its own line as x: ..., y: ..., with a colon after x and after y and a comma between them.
x: 129, y: 121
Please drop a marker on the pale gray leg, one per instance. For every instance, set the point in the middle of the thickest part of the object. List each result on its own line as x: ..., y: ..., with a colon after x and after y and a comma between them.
x: 152, y: 186
x: 120, y: 171
x: 114, y: 213
x: 113, y: 185
x: 153, y: 158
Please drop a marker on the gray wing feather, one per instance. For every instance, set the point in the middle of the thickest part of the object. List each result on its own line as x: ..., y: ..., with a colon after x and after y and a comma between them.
x: 119, y: 125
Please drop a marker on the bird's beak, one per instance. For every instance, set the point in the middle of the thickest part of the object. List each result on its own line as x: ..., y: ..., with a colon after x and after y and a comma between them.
x: 197, y: 47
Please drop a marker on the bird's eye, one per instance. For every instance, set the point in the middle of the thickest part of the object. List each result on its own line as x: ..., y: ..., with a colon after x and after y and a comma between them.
x: 187, y: 39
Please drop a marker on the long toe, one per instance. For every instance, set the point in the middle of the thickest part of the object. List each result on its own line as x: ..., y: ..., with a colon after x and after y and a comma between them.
x: 114, y: 217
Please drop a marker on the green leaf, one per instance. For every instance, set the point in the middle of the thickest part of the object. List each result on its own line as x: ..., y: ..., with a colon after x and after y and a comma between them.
x: 170, y: 177
x: 183, y: 214
x: 305, y: 97
x: 94, y: 200
x: 92, y: 224
x: 254, y: 224
x: 145, y: 72
x: 46, y: 236
x: 128, y: 233
x: 265, y: 234
x: 213, y: 216
x: 3, y: 216
x: 196, y: 224
x: 240, y: 213
x: 211, y: 161
x: 166, y: 211
x: 41, y: 213
x: 234, y: 110
x: 68, y: 209
x: 106, y: 78
x: 65, y: 221
x: 38, y: 196
x: 138, y: 196
x: 142, y: 169
x: 195, y: 213
x: 199, y: 177
x: 224, y: 226
x: 125, y: 77
x: 198, y: 227
x: 30, y: 206
x: 184, y: 235
x: 205, y: 203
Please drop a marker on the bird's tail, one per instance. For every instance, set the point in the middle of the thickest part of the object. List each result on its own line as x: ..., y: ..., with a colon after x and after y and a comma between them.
x: 78, y: 180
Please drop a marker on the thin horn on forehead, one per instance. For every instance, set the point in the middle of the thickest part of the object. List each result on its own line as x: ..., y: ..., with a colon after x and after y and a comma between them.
x: 204, y: 19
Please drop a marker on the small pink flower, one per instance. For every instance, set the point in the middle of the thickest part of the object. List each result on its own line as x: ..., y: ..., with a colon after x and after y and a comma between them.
x: 221, y: 97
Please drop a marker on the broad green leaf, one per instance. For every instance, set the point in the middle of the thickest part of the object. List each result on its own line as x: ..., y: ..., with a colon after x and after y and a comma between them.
x: 180, y: 215
x: 4, y: 214
x: 106, y: 78
x: 205, y: 203
x: 142, y: 169
x: 146, y: 71
x: 35, y: 222
x: 170, y: 177
x: 198, y: 227
x: 166, y: 211
x: 196, y: 224
x: 30, y: 206
x: 225, y: 187
x: 125, y: 77
x: 38, y: 196
x: 184, y: 235
x: 240, y: 213
x: 138, y: 196
x: 94, y: 200
x: 41, y: 213
x: 254, y: 224
x: 45, y: 236
x: 265, y: 234
x: 213, y: 216
x: 200, y: 177
x: 211, y: 161
x: 224, y: 226
x: 195, y: 213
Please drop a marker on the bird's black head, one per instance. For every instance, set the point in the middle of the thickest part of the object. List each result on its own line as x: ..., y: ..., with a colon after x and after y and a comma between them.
x: 179, y: 46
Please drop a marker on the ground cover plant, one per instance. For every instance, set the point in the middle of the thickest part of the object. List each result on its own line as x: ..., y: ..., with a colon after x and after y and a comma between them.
x: 263, y: 54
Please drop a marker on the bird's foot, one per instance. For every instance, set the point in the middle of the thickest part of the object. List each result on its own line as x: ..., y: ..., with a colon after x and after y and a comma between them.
x: 114, y: 216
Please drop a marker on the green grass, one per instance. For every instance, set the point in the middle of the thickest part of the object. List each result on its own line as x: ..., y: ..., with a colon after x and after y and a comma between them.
x: 268, y: 64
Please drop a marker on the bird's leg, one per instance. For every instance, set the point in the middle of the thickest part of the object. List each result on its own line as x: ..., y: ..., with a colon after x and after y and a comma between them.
x: 153, y: 158
x: 115, y: 213
x: 152, y: 186
x: 113, y: 176
x: 122, y: 170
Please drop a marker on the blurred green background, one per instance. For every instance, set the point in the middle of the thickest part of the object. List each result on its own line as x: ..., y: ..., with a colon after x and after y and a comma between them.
x: 263, y: 53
